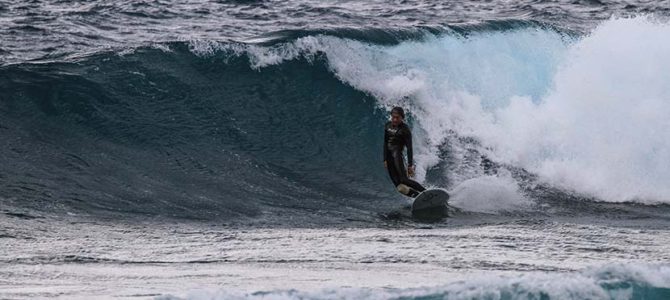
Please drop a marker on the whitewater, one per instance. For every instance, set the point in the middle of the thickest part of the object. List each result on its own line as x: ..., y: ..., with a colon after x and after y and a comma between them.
x: 232, y: 149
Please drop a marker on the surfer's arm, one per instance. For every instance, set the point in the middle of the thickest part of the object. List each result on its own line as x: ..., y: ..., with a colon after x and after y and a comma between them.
x: 408, y: 144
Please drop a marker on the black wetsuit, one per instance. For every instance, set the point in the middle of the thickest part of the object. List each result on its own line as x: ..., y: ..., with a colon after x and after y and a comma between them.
x: 395, y: 139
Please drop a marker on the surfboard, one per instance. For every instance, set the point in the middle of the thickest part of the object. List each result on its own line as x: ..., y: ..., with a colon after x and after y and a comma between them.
x: 431, y: 204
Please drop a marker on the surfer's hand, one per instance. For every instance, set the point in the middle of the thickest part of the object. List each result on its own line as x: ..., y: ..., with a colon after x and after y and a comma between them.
x: 410, y: 171
x: 385, y: 165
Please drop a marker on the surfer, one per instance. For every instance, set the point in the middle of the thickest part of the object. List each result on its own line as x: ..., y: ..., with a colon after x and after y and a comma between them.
x: 397, y: 135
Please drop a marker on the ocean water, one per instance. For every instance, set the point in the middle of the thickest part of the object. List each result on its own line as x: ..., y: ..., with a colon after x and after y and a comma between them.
x: 232, y: 149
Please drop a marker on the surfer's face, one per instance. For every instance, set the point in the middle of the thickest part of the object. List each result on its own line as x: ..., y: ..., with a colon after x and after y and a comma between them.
x: 396, y: 119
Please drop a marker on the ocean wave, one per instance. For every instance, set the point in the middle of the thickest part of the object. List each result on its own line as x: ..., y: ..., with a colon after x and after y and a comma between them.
x: 561, y: 106
x: 613, y: 281
x: 197, y: 128
x: 165, y: 132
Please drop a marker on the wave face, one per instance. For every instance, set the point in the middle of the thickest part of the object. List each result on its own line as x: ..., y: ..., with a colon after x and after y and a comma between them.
x: 172, y: 133
x: 290, y: 129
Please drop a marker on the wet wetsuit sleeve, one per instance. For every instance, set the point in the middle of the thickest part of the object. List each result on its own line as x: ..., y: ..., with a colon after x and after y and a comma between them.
x: 386, y: 139
x: 408, y: 144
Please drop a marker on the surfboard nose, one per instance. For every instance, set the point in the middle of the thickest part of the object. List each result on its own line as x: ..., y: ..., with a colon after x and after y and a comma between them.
x: 431, y: 205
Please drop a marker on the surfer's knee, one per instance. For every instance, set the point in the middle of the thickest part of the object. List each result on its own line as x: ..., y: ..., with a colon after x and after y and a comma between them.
x: 403, y: 189
x: 407, y: 191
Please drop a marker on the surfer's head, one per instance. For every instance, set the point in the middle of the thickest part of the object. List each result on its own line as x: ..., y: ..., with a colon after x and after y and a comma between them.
x: 397, y: 115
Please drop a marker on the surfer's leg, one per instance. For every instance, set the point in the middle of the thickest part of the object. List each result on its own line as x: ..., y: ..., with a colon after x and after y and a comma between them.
x: 395, y: 177
x: 414, y: 187
x: 413, y: 184
x: 393, y: 173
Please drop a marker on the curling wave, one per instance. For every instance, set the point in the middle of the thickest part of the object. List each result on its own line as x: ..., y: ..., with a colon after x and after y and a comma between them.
x: 291, y: 128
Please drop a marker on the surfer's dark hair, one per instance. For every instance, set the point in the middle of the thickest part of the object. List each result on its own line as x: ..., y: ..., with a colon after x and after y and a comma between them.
x: 398, y: 110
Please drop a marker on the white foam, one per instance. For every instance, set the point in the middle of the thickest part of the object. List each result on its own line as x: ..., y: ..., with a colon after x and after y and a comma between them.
x: 613, y: 281
x: 489, y: 194
x: 603, y: 130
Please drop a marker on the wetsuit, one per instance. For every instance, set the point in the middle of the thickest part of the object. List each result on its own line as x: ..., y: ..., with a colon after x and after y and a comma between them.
x: 395, y: 139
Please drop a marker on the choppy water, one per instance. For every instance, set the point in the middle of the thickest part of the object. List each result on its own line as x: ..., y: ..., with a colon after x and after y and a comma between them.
x: 228, y: 149
x: 511, y: 260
